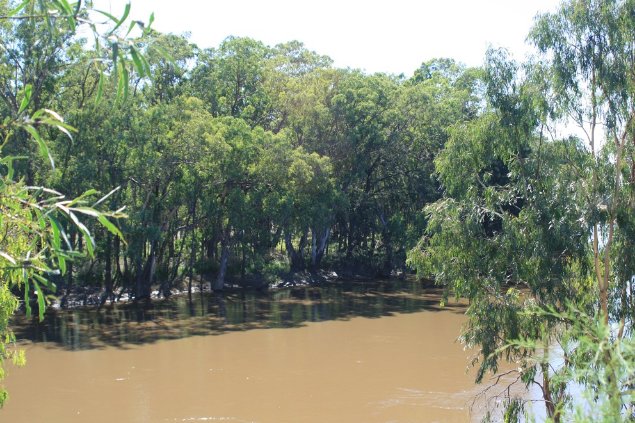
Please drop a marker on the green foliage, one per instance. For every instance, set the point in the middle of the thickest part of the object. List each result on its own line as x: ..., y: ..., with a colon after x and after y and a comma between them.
x: 594, y: 380
x: 34, y: 220
x: 274, y: 269
x: 532, y: 228
x: 247, y: 161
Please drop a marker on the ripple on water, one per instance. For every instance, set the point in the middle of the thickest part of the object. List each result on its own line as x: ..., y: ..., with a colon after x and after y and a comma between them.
x: 417, y: 397
x: 212, y: 419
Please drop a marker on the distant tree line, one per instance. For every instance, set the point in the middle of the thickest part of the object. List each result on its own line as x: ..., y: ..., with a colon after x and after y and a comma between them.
x: 240, y: 162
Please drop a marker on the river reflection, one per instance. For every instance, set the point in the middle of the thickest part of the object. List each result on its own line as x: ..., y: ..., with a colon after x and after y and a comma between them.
x: 213, y: 314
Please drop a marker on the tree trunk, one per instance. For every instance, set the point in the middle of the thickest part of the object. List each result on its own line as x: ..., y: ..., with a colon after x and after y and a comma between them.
x: 145, y: 274
x: 313, y: 249
x: 295, y: 256
x: 319, y: 241
x: 211, y: 247
x: 243, y: 262
x: 117, y: 258
x: 387, y: 270
x: 69, y: 273
x: 387, y: 242
x: 349, y: 243
x: 219, y: 284
x: 152, y: 268
x: 108, y: 269
x: 192, y: 250
x: 139, y: 278
x: 553, y: 411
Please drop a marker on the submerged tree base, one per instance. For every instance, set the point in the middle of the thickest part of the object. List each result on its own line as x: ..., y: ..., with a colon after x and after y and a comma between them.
x: 92, y: 296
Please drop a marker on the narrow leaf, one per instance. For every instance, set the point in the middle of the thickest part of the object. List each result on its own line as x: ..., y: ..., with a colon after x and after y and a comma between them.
x: 44, y: 150
x: 43, y: 189
x: 146, y: 65
x: 87, y: 211
x: 57, y: 239
x: 108, y: 15
x: 67, y: 11
x: 137, y: 61
x: 62, y: 232
x: 67, y: 7
x: 8, y: 257
x: 45, y: 282
x: 65, y: 131
x: 102, y: 199
x: 28, y: 89
x: 19, y: 8
x: 122, y: 88
x: 126, y: 86
x: 40, y: 298
x: 54, y: 114
x: 61, y: 261
x: 87, y: 193
x: 10, y: 169
x: 27, y: 300
x: 131, y: 27
x: 120, y: 21
x: 109, y: 225
x: 90, y: 242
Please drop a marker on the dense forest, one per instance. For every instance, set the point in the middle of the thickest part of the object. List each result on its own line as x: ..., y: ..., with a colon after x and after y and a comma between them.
x: 241, y: 162
x: 246, y: 163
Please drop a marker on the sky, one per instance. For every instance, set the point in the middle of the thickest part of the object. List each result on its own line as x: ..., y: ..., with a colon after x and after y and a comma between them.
x: 393, y: 36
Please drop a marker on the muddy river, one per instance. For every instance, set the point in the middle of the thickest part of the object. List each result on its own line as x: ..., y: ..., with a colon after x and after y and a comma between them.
x: 345, y: 352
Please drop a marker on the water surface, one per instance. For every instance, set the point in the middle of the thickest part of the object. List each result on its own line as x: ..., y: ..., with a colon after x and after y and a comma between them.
x: 345, y: 352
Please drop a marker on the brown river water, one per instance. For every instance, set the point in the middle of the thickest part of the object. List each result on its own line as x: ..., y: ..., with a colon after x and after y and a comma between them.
x: 345, y: 352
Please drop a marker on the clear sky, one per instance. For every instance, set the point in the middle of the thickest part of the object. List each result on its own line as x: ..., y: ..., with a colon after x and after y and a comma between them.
x: 392, y: 36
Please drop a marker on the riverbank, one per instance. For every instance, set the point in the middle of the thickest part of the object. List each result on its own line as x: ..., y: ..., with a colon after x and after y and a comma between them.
x: 90, y: 296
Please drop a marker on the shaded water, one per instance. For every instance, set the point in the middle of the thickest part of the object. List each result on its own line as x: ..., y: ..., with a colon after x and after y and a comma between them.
x: 344, y: 352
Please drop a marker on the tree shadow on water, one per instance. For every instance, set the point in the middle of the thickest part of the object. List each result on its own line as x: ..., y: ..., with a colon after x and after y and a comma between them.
x: 124, y: 326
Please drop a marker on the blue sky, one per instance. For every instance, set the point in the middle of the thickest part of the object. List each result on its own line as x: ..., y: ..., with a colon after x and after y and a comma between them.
x: 377, y: 36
